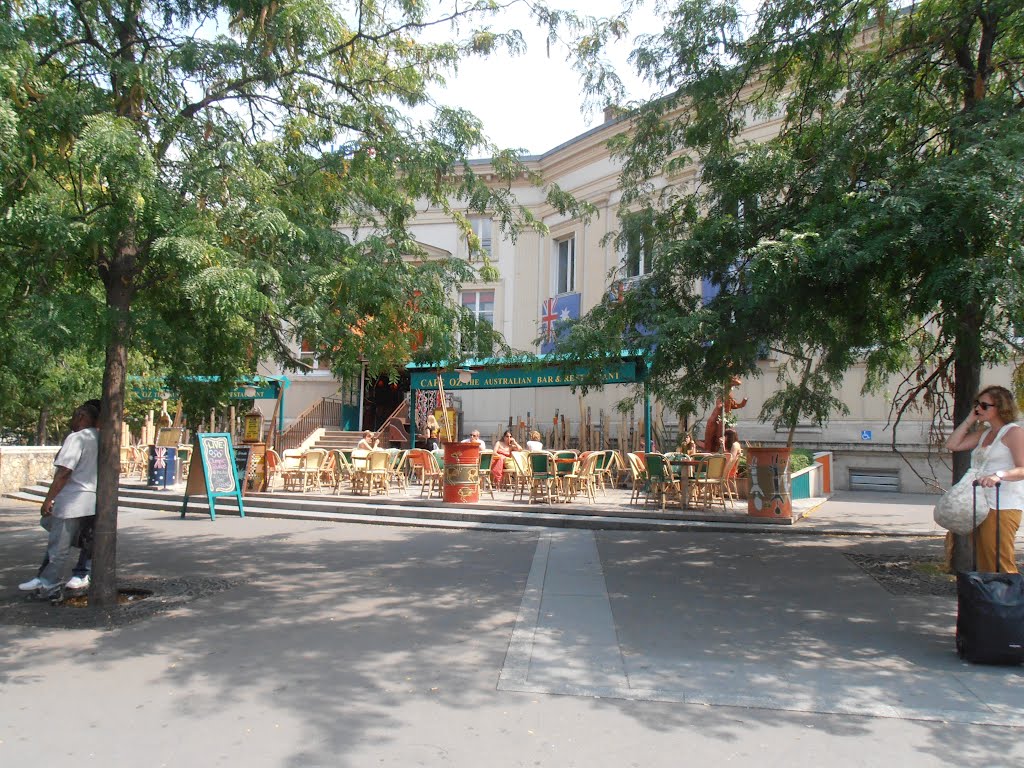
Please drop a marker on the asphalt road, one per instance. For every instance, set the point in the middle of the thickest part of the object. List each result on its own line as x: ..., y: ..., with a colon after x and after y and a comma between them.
x: 352, y: 645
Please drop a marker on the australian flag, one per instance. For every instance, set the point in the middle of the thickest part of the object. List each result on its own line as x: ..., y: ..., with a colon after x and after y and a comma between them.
x: 552, y: 312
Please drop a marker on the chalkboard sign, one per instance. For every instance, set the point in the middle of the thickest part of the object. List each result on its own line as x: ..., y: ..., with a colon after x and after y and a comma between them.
x: 244, y: 459
x: 213, y: 471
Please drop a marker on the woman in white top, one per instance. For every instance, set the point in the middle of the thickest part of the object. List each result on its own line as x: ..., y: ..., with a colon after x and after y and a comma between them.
x: 998, y: 456
x: 368, y: 443
x: 534, y: 443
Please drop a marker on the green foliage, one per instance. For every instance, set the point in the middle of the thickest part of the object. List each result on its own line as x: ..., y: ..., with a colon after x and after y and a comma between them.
x: 800, y: 458
x: 231, y: 192
x: 216, y: 181
x: 881, y: 223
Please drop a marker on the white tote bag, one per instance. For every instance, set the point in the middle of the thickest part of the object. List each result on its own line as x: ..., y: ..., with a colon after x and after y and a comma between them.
x: 955, y: 510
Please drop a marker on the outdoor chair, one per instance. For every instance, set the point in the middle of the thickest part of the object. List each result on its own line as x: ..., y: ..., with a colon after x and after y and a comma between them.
x: 306, y: 475
x: 543, y: 477
x: 377, y: 472
x: 638, y: 476
x: 329, y: 470
x: 486, y: 457
x: 731, y: 491
x: 432, y: 477
x: 600, y: 467
x: 710, y: 480
x: 397, y: 469
x: 342, y: 469
x: 273, y: 469
x: 660, y: 483
x: 521, y: 478
x: 417, y: 464
x: 583, y: 479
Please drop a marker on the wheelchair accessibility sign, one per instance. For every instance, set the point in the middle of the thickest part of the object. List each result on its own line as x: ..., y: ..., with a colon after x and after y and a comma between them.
x: 865, y: 434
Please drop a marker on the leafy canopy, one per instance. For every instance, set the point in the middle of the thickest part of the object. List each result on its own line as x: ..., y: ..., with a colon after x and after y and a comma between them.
x: 848, y: 174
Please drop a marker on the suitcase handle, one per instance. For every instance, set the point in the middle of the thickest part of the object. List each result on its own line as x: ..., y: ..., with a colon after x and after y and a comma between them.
x: 974, y: 520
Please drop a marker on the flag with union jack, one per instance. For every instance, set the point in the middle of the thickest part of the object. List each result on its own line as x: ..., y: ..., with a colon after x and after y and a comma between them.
x: 553, y: 311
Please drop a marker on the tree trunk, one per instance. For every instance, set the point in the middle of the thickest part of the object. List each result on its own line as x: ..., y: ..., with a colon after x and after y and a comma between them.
x: 966, y: 382
x: 44, y: 416
x: 118, y: 279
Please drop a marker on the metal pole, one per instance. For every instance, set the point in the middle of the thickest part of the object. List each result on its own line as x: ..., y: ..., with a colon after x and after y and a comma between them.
x: 362, y: 392
x: 412, y: 416
x: 647, y: 418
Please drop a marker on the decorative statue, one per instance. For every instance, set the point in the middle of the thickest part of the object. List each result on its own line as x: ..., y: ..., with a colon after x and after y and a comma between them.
x: 715, y: 427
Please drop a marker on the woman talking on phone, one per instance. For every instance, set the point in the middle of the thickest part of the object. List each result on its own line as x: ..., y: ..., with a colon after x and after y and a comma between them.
x: 997, y: 454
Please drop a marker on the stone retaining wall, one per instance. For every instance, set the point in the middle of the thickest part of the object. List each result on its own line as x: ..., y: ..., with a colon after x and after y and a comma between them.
x: 25, y: 465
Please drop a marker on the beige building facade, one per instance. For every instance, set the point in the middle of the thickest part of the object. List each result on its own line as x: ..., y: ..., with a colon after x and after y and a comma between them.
x: 570, y: 268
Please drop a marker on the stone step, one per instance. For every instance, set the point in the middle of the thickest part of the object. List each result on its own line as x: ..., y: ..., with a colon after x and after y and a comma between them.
x: 413, y: 511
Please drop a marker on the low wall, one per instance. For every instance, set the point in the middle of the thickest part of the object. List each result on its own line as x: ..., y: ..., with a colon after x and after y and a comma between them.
x: 25, y: 465
x: 808, y: 482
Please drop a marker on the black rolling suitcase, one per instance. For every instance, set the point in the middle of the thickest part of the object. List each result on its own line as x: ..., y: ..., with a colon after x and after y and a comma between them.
x: 990, y: 610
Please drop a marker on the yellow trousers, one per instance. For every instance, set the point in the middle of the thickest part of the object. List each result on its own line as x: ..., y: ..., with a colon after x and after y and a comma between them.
x: 985, y: 534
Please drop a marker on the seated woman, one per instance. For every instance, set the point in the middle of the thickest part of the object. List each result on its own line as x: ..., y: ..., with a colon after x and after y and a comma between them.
x: 502, y: 459
x: 368, y: 443
x: 731, y: 443
x: 534, y: 443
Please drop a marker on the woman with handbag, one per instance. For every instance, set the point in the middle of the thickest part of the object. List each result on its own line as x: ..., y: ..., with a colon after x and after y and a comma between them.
x: 997, y: 456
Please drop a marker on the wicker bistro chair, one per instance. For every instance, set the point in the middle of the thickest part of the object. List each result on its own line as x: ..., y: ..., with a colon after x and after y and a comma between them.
x: 600, y: 470
x: 484, y: 481
x: 433, y: 478
x: 343, y: 469
x: 272, y: 462
x: 304, y: 473
x: 584, y: 478
x: 543, y: 477
x: 521, y: 478
x: 616, y: 469
x: 397, y: 469
x: 359, y: 476
x: 329, y: 470
x: 378, y: 472
x: 710, y: 480
x: 638, y: 477
x: 731, y: 491
x: 417, y: 464
x: 660, y: 483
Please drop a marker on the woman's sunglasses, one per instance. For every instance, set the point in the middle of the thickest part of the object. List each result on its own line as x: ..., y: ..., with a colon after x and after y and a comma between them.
x: 983, y: 406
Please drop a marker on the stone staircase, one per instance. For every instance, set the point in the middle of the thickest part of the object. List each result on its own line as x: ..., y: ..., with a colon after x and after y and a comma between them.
x: 407, y: 509
x: 337, y: 439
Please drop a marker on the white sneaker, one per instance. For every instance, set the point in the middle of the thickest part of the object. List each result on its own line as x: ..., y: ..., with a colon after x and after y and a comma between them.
x: 32, y: 585
x: 78, y: 582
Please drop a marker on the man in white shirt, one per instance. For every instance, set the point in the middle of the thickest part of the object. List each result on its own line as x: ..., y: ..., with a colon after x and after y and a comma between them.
x: 71, y: 498
x: 474, y: 437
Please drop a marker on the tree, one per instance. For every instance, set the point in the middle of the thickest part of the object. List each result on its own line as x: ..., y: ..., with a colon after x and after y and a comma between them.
x: 881, y: 222
x: 214, y: 179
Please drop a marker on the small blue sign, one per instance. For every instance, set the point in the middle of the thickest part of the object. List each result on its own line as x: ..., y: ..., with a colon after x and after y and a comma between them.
x: 865, y: 434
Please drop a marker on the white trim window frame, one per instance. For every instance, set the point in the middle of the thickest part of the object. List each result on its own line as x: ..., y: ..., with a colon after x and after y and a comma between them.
x: 481, y: 304
x: 483, y: 228
x: 565, y: 265
x: 637, y: 255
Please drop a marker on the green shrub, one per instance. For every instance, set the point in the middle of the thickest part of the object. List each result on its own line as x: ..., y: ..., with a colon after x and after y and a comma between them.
x: 801, y: 458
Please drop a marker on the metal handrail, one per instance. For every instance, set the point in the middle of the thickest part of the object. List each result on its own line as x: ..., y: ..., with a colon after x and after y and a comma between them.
x: 326, y: 412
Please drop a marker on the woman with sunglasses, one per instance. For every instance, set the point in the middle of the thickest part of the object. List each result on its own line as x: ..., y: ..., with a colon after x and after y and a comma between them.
x: 997, y: 454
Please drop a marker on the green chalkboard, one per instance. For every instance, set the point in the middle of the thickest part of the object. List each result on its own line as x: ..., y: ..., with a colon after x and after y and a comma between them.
x: 213, y: 471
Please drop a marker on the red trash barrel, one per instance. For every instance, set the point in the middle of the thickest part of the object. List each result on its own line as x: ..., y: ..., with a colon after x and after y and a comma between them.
x: 461, y: 473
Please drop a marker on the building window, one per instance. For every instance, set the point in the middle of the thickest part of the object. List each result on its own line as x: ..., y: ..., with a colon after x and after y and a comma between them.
x: 309, y: 356
x: 566, y: 265
x: 482, y: 229
x: 480, y: 304
x: 638, y: 241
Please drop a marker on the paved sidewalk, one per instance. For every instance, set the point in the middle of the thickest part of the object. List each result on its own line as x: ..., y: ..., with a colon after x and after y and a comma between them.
x: 356, y: 645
